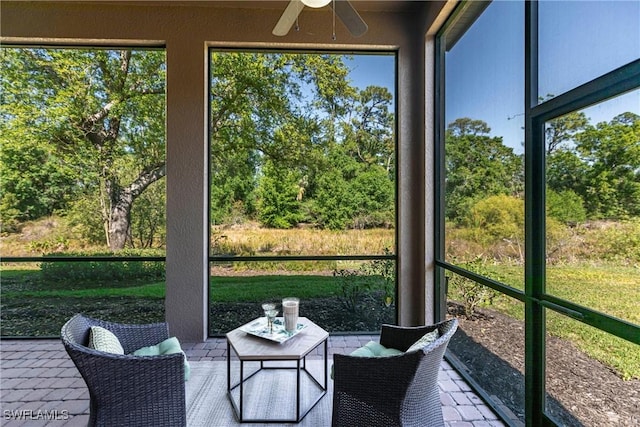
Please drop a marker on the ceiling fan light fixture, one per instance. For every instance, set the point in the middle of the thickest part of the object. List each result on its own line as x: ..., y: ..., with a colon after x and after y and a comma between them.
x: 316, y: 3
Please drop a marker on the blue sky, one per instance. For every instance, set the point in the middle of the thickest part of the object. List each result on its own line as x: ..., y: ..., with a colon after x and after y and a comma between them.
x: 376, y: 70
x: 579, y: 40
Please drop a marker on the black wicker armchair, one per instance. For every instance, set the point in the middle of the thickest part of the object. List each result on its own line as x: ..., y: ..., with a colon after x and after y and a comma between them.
x: 126, y: 390
x: 391, y: 391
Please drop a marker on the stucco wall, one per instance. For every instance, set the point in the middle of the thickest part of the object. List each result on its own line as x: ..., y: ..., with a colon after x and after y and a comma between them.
x: 186, y: 30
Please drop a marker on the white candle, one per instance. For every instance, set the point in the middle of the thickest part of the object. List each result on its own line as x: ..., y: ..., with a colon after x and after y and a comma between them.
x: 290, y: 310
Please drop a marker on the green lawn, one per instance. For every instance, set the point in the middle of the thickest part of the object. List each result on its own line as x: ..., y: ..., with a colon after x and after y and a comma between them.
x: 262, y: 288
x: 613, y: 290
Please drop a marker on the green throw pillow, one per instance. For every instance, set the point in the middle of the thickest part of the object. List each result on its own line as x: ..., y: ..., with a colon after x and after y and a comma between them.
x: 168, y: 346
x: 372, y: 349
x: 102, y: 339
x: 426, y: 339
x: 379, y: 350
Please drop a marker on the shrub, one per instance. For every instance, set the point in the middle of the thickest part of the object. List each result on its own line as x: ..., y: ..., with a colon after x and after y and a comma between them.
x: 616, y: 241
x: 278, y: 204
x: 86, y: 225
x: 386, y: 270
x: 472, y: 293
x: 333, y: 202
x: 565, y: 206
x: 102, y: 271
x: 353, y: 288
x: 371, y: 284
x: 499, y: 216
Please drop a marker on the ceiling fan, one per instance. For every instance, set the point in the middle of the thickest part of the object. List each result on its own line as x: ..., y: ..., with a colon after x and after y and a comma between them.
x: 342, y: 8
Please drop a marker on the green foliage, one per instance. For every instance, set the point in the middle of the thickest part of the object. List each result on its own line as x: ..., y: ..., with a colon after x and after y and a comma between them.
x: 48, y: 245
x: 565, y: 206
x: 278, y: 190
x: 295, y: 119
x: 498, y: 217
x: 87, y: 227
x: 91, y: 123
x: 566, y: 172
x: 371, y: 284
x: 603, y: 168
x: 559, y: 239
x: 83, y: 137
x: 333, y: 209
x: 612, y: 151
x: 562, y: 130
x: 497, y: 222
x: 259, y: 115
x: 472, y: 293
x: 386, y: 270
x: 352, y: 288
x: 368, y: 136
x: 148, y: 218
x: 618, y: 242
x: 352, y: 194
x: 477, y: 166
x: 96, y: 273
x: 35, y: 181
x: 373, y: 191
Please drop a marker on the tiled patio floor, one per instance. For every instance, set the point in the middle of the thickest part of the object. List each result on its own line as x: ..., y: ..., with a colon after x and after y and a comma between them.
x: 40, y: 386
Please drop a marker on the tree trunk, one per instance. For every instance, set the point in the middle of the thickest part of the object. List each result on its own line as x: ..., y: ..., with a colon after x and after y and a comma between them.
x: 120, y: 220
x: 122, y: 200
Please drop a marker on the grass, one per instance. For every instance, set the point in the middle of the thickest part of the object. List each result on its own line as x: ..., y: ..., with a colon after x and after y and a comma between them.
x: 33, y: 307
x: 262, y: 288
x: 153, y: 290
x: 613, y: 290
x: 222, y: 289
x: 53, y: 234
x: 254, y: 240
x: 588, y: 285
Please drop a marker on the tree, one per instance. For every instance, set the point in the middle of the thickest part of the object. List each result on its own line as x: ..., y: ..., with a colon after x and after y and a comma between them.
x: 611, y: 152
x: 278, y: 201
x: 561, y: 130
x: 565, y: 206
x: 353, y: 194
x: 477, y: 166
x: 602, y: 167
x: 260, y: 113
x: 368, y: 135
x: 294, y: 120
x: 35, y: 181
x: 101, y: 112
x: 566, y: 171
x: 333, y: 202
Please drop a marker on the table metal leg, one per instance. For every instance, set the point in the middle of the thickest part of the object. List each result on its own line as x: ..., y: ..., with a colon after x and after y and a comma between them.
x: 326, y: 378
x: 301, y: 365
x: 228, y: 367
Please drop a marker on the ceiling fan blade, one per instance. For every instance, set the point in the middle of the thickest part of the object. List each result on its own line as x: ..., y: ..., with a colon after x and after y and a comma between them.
x: 288, y: 18
x: 350, y: 17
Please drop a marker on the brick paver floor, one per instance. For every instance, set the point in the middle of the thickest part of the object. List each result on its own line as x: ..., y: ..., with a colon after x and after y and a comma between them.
x: 40, y: 386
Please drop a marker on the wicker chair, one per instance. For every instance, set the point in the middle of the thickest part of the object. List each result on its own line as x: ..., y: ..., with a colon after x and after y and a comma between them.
x: 127, y: 390
x: 390, y: 391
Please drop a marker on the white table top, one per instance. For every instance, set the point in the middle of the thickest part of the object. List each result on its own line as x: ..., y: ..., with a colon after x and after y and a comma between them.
x: 249, y: 347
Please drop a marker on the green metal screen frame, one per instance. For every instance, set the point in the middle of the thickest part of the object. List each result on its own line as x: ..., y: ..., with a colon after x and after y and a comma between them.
x: 535, y: 297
